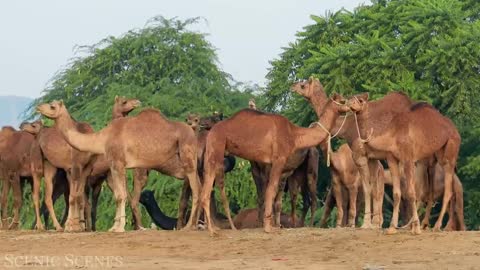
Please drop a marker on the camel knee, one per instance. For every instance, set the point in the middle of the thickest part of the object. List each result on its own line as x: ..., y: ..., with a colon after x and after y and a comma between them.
x: 397, y: 196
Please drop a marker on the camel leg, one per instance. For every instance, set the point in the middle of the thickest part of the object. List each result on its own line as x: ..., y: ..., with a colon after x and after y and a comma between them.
x: 96, y: 189
x: 49, y: 173
x: 337, y: 190
x: 352, y: 202
x: 36, y: 200
x: 195, y: 185
x: 272, y: 189
x: 277, y: 206
x: 226, y: 206
x: 327, y: 208
x: 409, y: 168
x: 88, y: 210
x: 293, y: 190
x: 120, y: 194
x: 82, y: 202
x: 139, y: 182
x: 17, y: 203
x: 312, y: 191
x: 362, y: 163
x: 428, y: 211
x: 378, y: 187
x: 260, y: 185
x: 458, y: 211
x: 182, y: 208
x: 397, y: 193
x: 4, y: 201
x: 73, y: 219
x: 66, y: 199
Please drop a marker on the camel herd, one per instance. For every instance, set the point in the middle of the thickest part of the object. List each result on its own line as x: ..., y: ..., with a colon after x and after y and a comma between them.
x: 419, y: 144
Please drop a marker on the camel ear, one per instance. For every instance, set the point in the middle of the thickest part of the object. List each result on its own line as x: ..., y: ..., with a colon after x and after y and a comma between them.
x: 310, y: 80
x: 116, y: 98
x: 60, y: 102
x: 362, y: 97
x: 337, y: 97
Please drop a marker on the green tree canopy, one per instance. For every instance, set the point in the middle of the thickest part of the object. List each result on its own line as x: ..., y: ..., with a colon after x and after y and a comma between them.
x: 426, y: 48
x: 164, y: 64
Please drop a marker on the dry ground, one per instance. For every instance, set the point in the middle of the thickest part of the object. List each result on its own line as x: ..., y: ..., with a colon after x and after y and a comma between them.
x: 247, y: 249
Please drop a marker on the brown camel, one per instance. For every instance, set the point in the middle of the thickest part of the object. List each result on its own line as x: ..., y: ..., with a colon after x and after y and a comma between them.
x: 148, y: 141
x: 265, y: 138
x: 416, y: 134
x: 57, y: 153
x: 426, y: 194
x: 300, y: 172
x: 381, y: 113
x: 14, y: 164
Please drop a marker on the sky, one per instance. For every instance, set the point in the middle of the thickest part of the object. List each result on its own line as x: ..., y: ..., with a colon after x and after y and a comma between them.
x: 37, y: 37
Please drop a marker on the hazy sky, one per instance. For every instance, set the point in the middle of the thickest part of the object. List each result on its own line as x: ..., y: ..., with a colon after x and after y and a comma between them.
x: 38, y: 36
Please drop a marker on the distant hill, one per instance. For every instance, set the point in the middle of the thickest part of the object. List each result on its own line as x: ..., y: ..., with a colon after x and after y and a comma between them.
x: 10, y: 109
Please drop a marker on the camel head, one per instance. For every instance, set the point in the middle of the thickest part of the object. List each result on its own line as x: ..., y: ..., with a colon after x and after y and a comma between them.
x: 32, y: 128
x: 208, y: 122
x: 193, y: 120
x: 125, y: 105
x: 358, y: 102
x: 341, y: 102
x: 251, y: 104
x: 53, y: 110
x: 309, y: 89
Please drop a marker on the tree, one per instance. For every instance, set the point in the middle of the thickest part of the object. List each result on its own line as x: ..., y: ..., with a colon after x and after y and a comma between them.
x: 426, y: 48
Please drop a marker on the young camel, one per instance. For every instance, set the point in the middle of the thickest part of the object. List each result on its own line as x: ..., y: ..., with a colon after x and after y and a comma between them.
x: 14, y: 164
x: 147, y: 141
x: 419, y: 133
x: 265, y: 138
x: 300, y: 173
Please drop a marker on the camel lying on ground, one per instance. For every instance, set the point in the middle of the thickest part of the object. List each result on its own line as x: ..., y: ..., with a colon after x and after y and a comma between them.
x: 265, y: 138
x: 418, y: 133
x: 148, y: 141
x: 247, y: 218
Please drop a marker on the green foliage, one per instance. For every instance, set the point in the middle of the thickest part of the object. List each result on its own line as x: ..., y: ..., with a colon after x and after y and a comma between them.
x: 426, y: 48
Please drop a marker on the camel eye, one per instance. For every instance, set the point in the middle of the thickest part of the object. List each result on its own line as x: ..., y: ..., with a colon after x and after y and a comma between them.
x: 302, y: 86
x: 125, y: 102
x: 196, y: 120
x: 52, y: 107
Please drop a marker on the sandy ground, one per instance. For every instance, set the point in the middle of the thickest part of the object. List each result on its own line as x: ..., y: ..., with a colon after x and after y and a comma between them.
x: 247, y: 249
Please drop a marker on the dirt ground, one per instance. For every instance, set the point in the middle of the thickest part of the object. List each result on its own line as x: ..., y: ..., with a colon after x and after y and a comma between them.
x: 247, y: 249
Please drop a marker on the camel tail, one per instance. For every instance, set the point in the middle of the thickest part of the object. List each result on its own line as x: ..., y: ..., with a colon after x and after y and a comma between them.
x: 158, y: 217
x: 87, y: 142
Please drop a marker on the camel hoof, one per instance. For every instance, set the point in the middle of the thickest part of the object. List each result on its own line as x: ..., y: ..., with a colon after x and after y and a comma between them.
x: 416, y: 230
x: 367, y: 226
x: 270, y: 229
x: 60, y: 229
x: 39, y: 227
x: 213, y: 233
x: 437, y: 229
x: 13, y: 226
x: 391, y: 231
x: 117, y: 230
x: 140, y: 228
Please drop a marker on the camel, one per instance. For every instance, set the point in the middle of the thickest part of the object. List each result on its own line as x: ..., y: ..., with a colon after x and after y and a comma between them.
x: 148, y: 141
x: 98, y: 169
x: 413, y: 135
x: 265, y: 138
x: 246, y: 218
x: 14, y: 164
x: 381, y: 113
x: 300, y: 174
x: 201, y: 126
x: 426, y: 195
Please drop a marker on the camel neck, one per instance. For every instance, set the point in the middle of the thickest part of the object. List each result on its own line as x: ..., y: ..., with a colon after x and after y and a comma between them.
x: 363, y: 118
x: 65, y: 123
x: 319, y: 101
x: 308, y: 137
x: 117, y: 114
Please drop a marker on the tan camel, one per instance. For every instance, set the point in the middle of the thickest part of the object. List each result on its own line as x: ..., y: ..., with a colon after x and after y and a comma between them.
x: 381, y: 113
x: 98, y: 170
x: 265, y: 138
x: 300, y: 172
x: 14, y: 163
x: 148, y: 140
x: 419, y: 133
x: 57, y: 153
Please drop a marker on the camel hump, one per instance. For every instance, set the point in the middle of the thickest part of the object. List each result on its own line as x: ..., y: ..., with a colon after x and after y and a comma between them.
x: 84, y: 128
x: 8, y: 129
x: 421, y: 105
